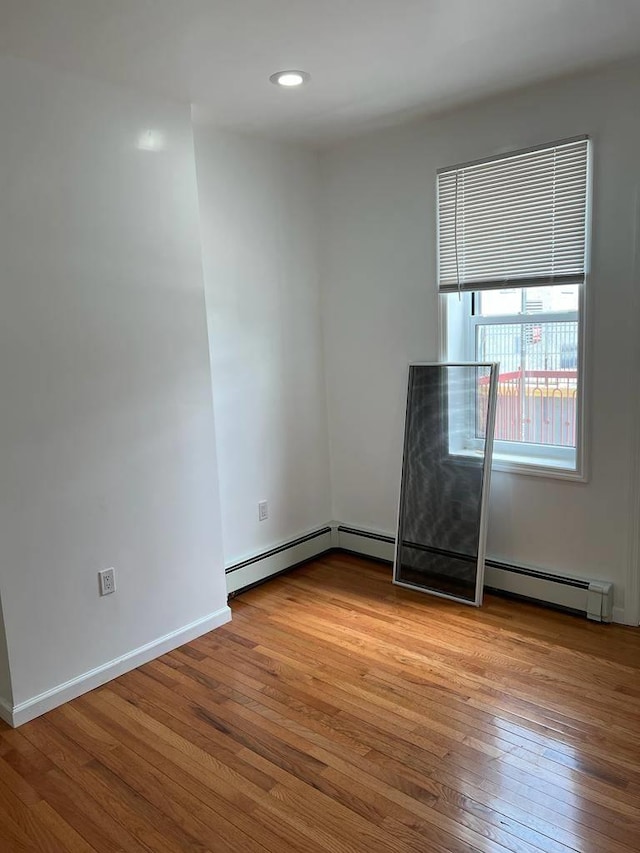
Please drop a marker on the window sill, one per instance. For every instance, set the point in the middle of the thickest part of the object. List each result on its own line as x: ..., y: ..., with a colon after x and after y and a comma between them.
x: 555, y: 469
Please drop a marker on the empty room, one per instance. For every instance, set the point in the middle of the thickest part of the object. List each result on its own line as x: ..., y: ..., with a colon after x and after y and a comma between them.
x: 320, y: 426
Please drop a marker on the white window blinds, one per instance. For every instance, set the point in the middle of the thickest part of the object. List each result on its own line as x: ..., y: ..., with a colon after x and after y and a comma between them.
x: 514, y: 221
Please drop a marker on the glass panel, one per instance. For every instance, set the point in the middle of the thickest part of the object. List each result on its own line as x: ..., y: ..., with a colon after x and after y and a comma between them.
x: 441, y: 520
x: 538, y: 383
x: 528, y: 300
x: 496, y: 303
x: 558, y: 297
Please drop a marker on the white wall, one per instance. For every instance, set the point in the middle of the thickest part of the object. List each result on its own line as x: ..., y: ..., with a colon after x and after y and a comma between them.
x: 381, y: 311
x: 107, y: 454
x: 258, y: 203
x: 6, y: 694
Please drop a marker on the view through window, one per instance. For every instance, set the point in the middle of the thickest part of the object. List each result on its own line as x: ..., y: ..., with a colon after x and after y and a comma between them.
x: 533, y: 334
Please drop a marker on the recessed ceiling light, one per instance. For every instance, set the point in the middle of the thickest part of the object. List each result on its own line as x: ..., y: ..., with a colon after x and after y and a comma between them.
x: 289, y: 79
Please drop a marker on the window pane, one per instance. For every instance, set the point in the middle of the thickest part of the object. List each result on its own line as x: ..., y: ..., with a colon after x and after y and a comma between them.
x: 528, y: 300
x: 538, y: 380
x: 556, y: 298
x: 497, y: 303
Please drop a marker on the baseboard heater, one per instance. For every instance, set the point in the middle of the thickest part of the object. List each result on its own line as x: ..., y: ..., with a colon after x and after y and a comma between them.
x: 282, y: 558
x: 593, y: 599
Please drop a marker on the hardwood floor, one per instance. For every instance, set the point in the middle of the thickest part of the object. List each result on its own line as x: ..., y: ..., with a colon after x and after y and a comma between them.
x: 339, y: 713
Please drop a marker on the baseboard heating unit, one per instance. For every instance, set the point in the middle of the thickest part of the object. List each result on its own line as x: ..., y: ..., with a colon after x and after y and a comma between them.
x: 593, y: 599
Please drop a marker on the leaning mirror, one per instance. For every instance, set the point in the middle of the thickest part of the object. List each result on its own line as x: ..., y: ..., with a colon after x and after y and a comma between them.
x: 446, y: 466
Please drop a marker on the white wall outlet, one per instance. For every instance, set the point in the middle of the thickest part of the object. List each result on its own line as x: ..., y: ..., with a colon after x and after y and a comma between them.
x: 107, y: 581
x: 263, y: 511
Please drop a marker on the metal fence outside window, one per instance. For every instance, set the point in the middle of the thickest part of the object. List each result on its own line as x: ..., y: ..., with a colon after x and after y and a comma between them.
x: 538, y: 380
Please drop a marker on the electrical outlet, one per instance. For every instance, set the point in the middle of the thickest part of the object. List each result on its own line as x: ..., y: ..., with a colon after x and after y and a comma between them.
x: 107, y: 581
x: 263, y: 511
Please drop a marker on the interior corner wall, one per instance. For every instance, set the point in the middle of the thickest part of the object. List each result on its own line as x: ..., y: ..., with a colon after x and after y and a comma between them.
x: 259, y: 226
x: 6, y: 693
x: 107, y: 446
x: 381, y: 312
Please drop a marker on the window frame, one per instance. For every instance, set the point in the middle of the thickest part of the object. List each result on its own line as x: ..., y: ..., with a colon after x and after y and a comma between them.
x: 527, y: 461
x: 522, y: 457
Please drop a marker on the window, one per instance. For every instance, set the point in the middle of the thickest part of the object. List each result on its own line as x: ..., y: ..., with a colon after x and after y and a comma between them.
x: 511, y: 271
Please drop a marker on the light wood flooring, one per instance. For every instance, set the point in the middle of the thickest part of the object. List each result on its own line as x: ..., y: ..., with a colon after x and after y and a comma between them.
x: 339, y: 713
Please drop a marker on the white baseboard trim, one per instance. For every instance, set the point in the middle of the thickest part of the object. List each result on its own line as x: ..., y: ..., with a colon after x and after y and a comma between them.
x: 581, y: 595
x: 569, y: 593
x: 34, y: 707
x: 6, y: 712
x: 278, y: 559
x: 620, y: 616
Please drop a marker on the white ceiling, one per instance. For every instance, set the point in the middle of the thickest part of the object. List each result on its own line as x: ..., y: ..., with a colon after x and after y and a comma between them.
x: 371, y: 61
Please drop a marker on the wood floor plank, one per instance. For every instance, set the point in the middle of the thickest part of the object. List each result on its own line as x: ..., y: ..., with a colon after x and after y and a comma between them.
x: 463, y: 748
x: 337, y: 712
x: 58, y: 829
x: 390, y: 646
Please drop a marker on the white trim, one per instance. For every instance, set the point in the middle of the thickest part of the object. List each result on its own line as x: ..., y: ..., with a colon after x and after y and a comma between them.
x: 523, y: 319
x: 37, y: 705
x: 6, y: 712
x: 619, y: 616
x: 541, y: 468
x: 486, y: 481
x: 272, y: 564
x: 443, y: 327
x: 632, y: 585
